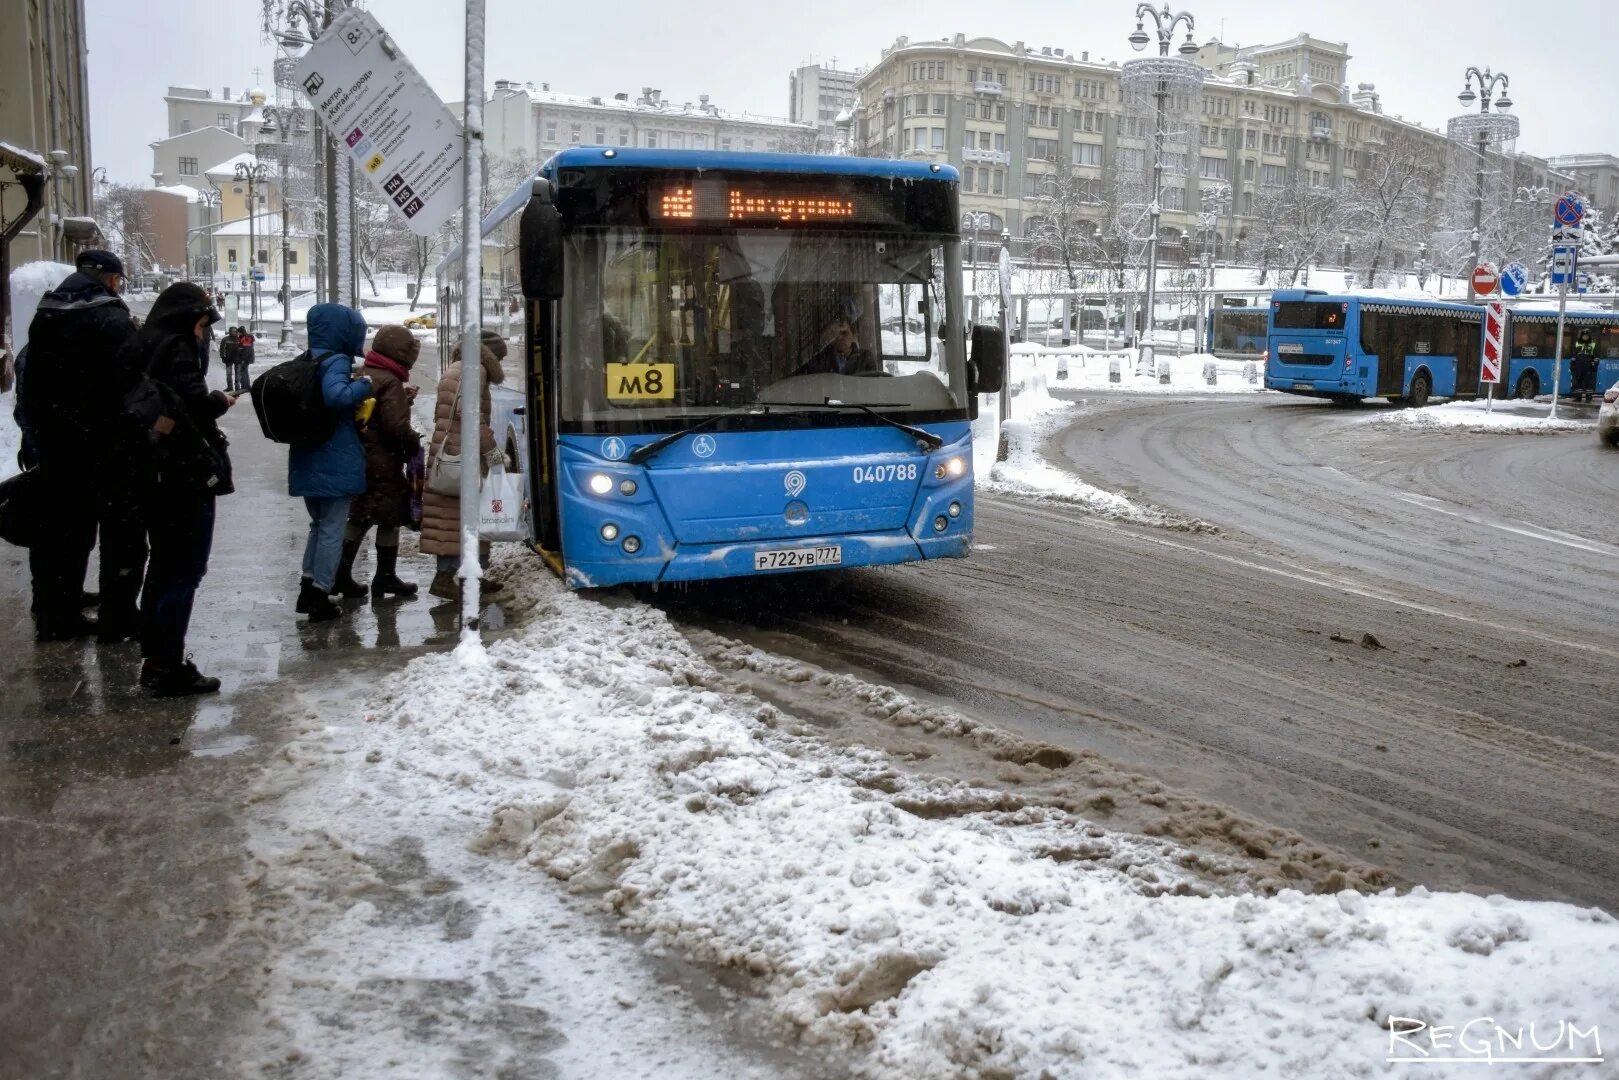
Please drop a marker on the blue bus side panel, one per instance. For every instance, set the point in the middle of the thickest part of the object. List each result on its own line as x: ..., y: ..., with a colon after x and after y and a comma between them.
x: 1441, y: 369
x: 867, y: 489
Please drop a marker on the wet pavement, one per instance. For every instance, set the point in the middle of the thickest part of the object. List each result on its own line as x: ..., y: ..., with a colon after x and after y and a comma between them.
x: 121, y: 818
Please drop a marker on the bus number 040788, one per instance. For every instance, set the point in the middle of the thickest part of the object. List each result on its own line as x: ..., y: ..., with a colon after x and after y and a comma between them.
x: 879, y: 474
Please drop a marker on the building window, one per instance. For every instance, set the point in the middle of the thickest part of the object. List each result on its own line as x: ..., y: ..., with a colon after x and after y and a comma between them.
x: 699, y: 142
x: 1000, y: 141
x: 230, y: 255
x: 1212, y: 168
x: 919, y: 138
x: 938, y: 138
x: 1000, y: 111
x: 725, y: 142
x: 188, y: 167
x: 185, y: 126
x: 1174, y: 198
x: 601, y: 136
x: 967, y: 178
x: 972, y: 75
x: 652, y: 139
x: 1088, y: 154
x: 998, y: 182
x: 677, y: 140
x: 292, y: 257
x: 1250, y: 139
x: 551, y: 133
x: 1273, y: 175
x: 938, y: 104
x: 264, y: 257
x: 747, y: 144
x: 225, y: 120
x: 573, y: 136
x: 1042, y: 150
x: 623, y: 136
x: 972, y: 110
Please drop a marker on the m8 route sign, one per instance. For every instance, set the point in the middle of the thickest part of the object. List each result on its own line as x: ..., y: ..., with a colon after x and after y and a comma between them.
x: 375, y: 102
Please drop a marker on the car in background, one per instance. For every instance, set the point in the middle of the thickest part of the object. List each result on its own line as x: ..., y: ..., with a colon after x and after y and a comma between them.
x: 1608, y: 417
x: 427, y: 320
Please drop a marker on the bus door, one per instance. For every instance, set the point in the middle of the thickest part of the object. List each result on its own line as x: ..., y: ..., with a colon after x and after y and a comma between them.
x: 1390, y: 336
x: 541, y: 424
x: 1469, y: 345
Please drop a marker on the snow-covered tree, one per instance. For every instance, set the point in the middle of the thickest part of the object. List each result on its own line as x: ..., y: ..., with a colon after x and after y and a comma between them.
x: 1064, y: 227
x: 1297, y: 225
x: 1388, y: 207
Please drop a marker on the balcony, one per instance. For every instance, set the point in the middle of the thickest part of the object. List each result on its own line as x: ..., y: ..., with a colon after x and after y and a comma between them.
x: 1321, y: 132
x: 986, y: 86
x: 973, y: 156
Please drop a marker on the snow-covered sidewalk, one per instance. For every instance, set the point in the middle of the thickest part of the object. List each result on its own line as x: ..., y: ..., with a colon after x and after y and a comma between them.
x: 602, y: 798
x: 1504, y: 416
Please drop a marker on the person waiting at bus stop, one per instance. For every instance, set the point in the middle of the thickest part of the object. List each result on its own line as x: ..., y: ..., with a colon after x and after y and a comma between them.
x: 1583, y: 367
x: 441, y: 514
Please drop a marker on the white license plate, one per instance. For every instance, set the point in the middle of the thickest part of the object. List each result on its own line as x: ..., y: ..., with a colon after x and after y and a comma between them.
x: 1289, y: 348
x: 798, y: 558
x: 1304, y: 386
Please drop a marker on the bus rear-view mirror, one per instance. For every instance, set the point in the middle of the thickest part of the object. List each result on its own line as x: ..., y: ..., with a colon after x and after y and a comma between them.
x: 988, y: 359
x: 540, y: 254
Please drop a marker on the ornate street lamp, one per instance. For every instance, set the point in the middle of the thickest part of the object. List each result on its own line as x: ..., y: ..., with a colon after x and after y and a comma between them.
x: 252, y: 175
x: 1482, y: 128
x: 284, y: 121
x: 1160, y: 75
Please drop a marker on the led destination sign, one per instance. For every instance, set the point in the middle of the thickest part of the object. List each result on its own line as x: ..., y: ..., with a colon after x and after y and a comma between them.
x: 758, y: 204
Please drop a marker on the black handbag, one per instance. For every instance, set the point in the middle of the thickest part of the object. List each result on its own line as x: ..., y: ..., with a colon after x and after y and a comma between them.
x: 22, y: 516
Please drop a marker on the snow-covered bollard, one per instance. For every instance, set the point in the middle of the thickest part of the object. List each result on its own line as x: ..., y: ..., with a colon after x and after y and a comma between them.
x: 1250, y: 371
x: 1210, y: 375
x: 1113, y: 369
x: 1163, y: 371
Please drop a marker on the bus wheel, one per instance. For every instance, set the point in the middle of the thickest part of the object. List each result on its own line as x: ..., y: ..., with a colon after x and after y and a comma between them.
x: 1417, y: 396
x: 1527, y: 386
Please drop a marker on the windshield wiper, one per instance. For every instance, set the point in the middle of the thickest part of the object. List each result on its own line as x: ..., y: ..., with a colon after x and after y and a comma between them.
x: 641, y: 453
x: 928, y: 440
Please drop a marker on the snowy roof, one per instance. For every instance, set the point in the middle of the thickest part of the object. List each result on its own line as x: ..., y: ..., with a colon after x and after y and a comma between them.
x: 684, y: 111
x: 264, y: 224
x: 189, y: 194
x: 25, y: 155
x: 226, y: 170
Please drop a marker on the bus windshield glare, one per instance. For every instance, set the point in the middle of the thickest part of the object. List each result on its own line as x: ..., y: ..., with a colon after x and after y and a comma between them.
x: 1305, y: 315
x: 663, y: 325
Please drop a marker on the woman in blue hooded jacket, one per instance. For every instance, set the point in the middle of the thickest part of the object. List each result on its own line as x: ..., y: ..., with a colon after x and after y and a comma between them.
x: 329, y: 475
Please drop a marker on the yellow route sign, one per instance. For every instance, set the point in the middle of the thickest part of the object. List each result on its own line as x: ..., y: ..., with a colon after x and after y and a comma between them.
x: 640, y: 382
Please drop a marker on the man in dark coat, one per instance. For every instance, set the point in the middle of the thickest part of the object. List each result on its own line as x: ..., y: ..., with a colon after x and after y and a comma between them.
x: 842, y: 354
x: 181, y: 465
x: 71, y: 396
x: 1583, y: 366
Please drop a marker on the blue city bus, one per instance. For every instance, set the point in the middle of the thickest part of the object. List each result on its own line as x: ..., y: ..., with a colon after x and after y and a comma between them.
x: 1236, y: 328
x: 1349, y: 347
x: 744, y: 364
x: 1532, y: 344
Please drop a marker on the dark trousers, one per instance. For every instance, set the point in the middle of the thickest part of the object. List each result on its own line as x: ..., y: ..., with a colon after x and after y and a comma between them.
x: 57, y: 566
x: 123, y: 558
x: 181, y: 530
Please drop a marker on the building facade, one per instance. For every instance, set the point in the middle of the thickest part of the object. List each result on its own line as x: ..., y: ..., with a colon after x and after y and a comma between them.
x: 816, y: 94
x: 528, y: 124
x: 1596, y: 175
x: 1013, y: 117
x: 44, y: 112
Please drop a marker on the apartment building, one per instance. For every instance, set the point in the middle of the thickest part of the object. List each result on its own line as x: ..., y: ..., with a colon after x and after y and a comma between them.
x: 1597, y: 175
x: 1011, y: 116
x: 816, y: 94
x: 529, y: 123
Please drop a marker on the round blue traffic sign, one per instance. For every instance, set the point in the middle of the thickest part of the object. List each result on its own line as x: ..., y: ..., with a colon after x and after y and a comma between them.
x: 1570, y: 211
x: 1514, y: 279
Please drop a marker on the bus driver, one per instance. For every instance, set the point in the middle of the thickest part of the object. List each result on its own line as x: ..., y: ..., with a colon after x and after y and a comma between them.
x: 841, y: 355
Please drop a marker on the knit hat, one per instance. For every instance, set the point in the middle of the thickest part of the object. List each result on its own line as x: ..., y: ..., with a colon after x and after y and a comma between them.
x: 397, y: 344
x: 97, y: 259
x: 494, y: 343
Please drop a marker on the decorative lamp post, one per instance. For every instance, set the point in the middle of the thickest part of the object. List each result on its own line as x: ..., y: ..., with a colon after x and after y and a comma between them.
x: 1422, y: 266
x: 284, y: 122
x: 210, y: 199
x: 339, y: 278
x: 1161, y: 76
x: 976, y: 221
x: 1482, y: 129
x: 252, y: 175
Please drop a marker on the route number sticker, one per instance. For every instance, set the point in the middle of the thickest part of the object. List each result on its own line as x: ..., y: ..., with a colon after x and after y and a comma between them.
x: 640, y: 382
x: 883, y: 474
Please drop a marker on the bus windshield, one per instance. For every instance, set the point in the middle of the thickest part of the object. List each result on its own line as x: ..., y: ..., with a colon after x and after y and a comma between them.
x: 658, y: 325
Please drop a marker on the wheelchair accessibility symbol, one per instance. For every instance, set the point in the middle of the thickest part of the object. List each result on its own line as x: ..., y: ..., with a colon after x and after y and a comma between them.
x: 703, y: 446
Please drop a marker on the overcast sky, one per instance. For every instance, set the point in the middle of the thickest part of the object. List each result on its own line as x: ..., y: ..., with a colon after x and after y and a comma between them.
x: 1559, y: 55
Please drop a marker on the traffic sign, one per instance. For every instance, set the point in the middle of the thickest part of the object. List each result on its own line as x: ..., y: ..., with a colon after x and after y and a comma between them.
x: 1495, y: 317
x: 1484, y: 279
x: 1570, y: 210
x: 1514, y: 279
x: 375, y: 101
x: 1562, y: 265
x: 258, y: 275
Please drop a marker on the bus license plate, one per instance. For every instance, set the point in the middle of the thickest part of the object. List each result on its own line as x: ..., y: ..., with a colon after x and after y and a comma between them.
x: 1304, y: 386
x: 1288, y: 348
x: 798, y: 558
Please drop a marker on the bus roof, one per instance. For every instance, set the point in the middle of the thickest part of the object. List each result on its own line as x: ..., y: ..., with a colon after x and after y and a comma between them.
x: 1377, y: 296
x: 635, y: 157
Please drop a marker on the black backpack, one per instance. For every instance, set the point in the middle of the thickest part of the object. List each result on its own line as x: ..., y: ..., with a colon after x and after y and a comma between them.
x: 290, y: 405
x: 161, y: 444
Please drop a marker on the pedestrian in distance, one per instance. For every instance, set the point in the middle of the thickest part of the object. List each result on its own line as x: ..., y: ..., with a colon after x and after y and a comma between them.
x: 390, y: 441
x: 178, y: 464
x: 227, y: 357
x: 69, y: 398
x: 242, y: 358
x: 441, y: 513
x: 329, y: 475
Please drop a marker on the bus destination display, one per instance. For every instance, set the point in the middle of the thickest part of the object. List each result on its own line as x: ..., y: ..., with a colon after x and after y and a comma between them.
x: 758, y: 204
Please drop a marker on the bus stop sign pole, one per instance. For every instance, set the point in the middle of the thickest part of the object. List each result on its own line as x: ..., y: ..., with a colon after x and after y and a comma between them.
x: 471, y: 310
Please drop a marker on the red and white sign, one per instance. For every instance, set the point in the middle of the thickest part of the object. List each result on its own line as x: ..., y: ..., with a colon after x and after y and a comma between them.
x: 1495, y: 318
x: 1485, y: 279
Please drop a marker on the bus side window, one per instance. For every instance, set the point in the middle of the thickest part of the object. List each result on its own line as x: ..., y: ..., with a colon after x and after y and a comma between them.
x: 1371, y: 328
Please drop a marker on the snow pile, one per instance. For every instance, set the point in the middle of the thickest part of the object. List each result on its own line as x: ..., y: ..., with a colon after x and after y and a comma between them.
x: 29, y: 282
x: 10, y: 437
x: 948, y: 935
x: 1511, y: 416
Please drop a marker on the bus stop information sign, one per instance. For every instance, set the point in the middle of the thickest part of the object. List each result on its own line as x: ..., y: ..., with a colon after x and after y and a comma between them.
x: 395, y: 128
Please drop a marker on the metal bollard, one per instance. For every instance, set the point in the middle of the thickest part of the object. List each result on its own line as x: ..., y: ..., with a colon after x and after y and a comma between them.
x: 1113, y: 369
x: 1250, y: 371
x: 1210, y: 375
x: 1163, y: 371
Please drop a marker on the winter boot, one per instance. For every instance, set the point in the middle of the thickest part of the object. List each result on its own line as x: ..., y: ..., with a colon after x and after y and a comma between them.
x: 63, y: 629
x: 181, y: 681
x: 306, y: 585
x: 321, y: 607
x: 386, y: 580
x: 344, y: 584
x: 444, y: 586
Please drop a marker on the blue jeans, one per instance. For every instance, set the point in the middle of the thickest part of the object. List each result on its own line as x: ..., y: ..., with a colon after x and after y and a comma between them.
x: 324, y: 548
x: 182, y: 536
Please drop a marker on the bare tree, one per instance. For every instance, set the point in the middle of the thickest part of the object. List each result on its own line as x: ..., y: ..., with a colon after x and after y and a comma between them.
x: 1389, y: 206
x: 1296, y: 225
x: 126, y: 222
x: 1065, y: 227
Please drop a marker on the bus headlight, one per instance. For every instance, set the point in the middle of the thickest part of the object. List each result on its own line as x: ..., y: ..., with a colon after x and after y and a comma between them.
x: 951, y: 468
x: 941, y: 523
x: 609, y: 532
x: 632, y: 544
x: 627, y: 487
x: 601, y: 483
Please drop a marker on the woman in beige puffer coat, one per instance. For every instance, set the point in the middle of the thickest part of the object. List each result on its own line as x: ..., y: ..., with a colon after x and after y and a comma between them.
x: 441, y: 514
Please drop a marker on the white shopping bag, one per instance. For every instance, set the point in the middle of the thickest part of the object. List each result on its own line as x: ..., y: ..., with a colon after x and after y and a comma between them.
x: 501, y: 509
